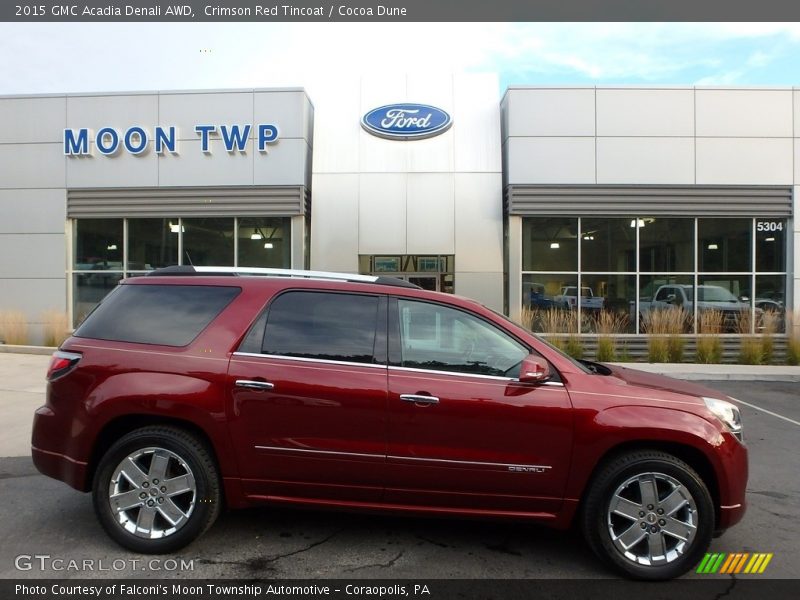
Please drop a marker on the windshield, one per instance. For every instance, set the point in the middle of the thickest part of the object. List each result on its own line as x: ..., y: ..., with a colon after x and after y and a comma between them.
x: 714, y: 293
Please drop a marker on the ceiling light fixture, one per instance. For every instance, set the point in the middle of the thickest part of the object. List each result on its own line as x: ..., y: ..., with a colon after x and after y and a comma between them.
x: 554, y: 245
x: 713, y: 247
x: 269, y: 246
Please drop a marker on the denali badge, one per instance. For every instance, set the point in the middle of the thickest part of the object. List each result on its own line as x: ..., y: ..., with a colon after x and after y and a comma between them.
x: 527, y: 469
x: 406, y: 121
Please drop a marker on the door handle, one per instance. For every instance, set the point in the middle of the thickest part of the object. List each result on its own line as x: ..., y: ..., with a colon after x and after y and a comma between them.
x: 254, y: 385
x: 419, y: 399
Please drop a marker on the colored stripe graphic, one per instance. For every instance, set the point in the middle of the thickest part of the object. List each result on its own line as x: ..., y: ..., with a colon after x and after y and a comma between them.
x: 701, y: 568
x: 741, y: 562
x: 767, y: 558
x: 734, y: 563
x: 711, y: 562
x: 718, y: 562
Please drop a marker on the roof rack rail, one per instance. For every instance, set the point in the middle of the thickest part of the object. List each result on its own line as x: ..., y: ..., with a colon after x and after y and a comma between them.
x: 268, y: 272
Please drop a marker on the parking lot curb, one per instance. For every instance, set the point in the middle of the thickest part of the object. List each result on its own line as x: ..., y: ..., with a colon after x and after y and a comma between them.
x: 13, y: 349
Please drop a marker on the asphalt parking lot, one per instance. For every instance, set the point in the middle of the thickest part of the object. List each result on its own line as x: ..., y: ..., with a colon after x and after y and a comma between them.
x: 40, y: 516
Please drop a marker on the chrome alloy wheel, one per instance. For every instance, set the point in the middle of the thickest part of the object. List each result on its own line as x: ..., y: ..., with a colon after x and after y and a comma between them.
x: 652, y: 519
x: 152, y: 493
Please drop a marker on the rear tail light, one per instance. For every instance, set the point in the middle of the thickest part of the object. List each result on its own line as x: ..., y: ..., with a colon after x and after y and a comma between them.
x: 62, y: 363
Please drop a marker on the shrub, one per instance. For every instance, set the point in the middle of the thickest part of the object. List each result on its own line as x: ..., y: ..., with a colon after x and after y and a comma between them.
x: 769, y: 326
x: 624, y: 355
x: 608, y: 324
x: 574, y: 347
x: 709, y: 344
x: 563, y: 323
x: 13, y: 327
x: 606, y: 349
x: 750, y: 352
x: 55, y: 327
x: 675, y: 345
x: 793, y: 340
x: 664, y: 328
x: 750, y: 349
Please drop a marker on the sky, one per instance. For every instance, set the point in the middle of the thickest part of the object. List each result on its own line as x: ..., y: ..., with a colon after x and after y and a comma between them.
x: 88, y: 57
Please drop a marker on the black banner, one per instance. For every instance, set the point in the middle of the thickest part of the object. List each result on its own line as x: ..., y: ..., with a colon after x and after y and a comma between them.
x: 398, y: 10
x: 712, y: 588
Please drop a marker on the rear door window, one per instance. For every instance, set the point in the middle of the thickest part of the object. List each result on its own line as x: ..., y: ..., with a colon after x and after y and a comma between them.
x: 168, y: 315
x: 322, y: 325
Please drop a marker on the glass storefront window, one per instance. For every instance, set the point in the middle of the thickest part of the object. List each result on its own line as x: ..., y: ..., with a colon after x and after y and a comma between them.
x: 208, y: 241
x: 88, y: 289
x: 770, y: 297
x: 725, y: 245
x: 152, y: 244
x: 550, y: 244
x: 666, y: 245
x: 546, y: 304
x: 770, y: 245
x: 98, y: 245
x: 264, y: 242
x: 662, y: 291
x: 730, y: 295
x: 609, y: 244
x: 679, y: 259
x: 612, y: 293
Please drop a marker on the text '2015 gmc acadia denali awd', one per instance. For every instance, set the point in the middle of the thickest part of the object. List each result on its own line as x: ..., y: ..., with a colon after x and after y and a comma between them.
x: 197, y: 387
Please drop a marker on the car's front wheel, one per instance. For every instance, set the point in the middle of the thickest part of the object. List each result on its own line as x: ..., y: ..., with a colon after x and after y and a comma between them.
x: 156, y: 490
x: 648, y: 514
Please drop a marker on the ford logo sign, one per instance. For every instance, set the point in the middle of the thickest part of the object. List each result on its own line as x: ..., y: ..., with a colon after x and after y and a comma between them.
x: 406, y: 121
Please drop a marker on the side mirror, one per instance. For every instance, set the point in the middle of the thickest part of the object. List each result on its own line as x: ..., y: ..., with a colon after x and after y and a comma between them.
x: 534, y: 369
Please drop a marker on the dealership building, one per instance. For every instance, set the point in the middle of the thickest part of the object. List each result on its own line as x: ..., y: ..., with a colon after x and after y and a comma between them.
x: 510, y: 198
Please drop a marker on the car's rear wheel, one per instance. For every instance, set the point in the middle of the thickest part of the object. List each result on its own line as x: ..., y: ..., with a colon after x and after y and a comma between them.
x: 648, y: 514
x: 156, y: 490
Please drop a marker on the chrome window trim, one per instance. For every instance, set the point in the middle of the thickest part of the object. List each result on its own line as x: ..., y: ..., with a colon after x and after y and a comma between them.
x: 408, y: 458
x: 480, y: 376
x: 325, y: 361
x: 456, y: 373
x: 391, y: 368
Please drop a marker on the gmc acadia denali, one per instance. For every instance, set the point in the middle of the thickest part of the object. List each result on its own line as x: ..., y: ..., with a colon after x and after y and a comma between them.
x: 198, y: 388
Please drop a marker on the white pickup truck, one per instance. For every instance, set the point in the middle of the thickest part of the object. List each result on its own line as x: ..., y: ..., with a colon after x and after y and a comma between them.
x: 568, y: 298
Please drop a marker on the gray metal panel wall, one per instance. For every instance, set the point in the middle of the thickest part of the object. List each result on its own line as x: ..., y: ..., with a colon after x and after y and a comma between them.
x: 187, y: 202
x: 723, y: 201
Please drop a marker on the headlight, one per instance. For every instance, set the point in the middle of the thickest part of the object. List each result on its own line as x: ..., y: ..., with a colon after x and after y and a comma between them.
x: 727, y: 413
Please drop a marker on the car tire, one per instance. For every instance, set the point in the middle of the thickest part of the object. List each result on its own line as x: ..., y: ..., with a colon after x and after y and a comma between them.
x: 157, y: 489
x: 648, y: 514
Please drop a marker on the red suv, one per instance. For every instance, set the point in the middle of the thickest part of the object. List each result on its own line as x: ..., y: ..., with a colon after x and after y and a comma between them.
x: 197, y: 388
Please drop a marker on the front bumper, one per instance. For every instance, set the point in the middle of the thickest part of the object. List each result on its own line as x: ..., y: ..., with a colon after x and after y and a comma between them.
x: 733, y: 482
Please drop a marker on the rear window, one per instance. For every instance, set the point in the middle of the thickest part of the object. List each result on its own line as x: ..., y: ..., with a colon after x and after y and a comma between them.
x: 169, y: 315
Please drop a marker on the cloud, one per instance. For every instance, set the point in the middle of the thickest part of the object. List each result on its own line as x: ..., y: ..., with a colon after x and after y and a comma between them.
x: 65, y: 57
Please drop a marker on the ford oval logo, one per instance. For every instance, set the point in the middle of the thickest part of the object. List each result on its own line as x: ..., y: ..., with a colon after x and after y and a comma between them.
x: 406, y: 121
